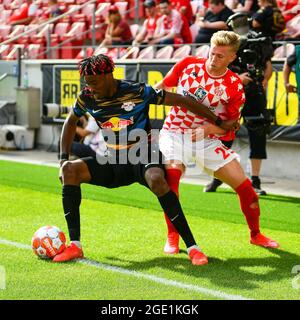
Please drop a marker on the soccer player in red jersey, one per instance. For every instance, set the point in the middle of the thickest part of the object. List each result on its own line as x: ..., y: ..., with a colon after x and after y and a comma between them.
x: 210, y: 82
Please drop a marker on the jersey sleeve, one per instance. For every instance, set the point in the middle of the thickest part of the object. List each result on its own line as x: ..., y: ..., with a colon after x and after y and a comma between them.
x: 79, y: 106
x: 236, y: 103
x: 172, y: 77
x: 154, y: 96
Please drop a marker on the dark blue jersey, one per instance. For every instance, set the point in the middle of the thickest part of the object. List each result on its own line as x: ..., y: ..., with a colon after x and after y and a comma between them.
x: 125, y: 111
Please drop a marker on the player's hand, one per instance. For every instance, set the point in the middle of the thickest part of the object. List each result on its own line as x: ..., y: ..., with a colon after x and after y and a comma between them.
x: 199, y: 134
x: 230, y: 125
x: 245, y: 78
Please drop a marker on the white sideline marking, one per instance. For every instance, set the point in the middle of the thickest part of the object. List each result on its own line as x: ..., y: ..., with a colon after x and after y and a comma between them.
x: 172, y: 283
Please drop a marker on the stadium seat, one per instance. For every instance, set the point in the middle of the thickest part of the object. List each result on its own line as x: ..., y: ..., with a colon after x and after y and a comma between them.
x: 164, y: 53
x: 85, y: 15
x: 41, y: 36
x: 202, y: 51
x: 60, y: 29
x: 134, y: 28
x: 4, y: 31
x: 146, y: 53
x: 34, y: 51
x: 68, y: 50
x: 25, y: 39
x: 194, y: 31
x: 13, y: 54
x: 122, y: 6
x: 131, y: 53
x: 17, y: 30
x: 85, y: 53
x: 102, y: 10
x: 132, y: 10
x: 4, y: 50
x: 293, y: 25
x: 100, y: 50
x: 4, y: 16
x: 182, y: 52
x: 284, y: 51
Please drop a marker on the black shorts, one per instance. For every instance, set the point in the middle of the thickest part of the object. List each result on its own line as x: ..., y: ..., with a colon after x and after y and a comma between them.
x: 116, y: 175
x: 258, y: 144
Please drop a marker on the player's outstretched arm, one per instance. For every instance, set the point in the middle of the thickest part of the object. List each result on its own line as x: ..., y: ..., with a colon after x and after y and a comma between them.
x: 67, y: 136
x: 174, y: 99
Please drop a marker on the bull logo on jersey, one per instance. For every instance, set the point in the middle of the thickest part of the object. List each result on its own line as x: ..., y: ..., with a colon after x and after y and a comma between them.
x: 116, y: 124
x: 128, y: 106
x: 200, y: 93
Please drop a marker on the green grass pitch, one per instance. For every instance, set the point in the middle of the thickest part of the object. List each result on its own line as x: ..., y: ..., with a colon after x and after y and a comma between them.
x: 123, y: 233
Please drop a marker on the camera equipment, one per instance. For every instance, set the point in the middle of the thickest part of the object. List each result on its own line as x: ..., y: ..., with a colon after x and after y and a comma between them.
x: 262, y: 122
x: 254, y: 50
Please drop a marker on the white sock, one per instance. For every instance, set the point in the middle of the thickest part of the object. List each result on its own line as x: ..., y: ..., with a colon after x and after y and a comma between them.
x: 189, y: 249
x: 77, y: 243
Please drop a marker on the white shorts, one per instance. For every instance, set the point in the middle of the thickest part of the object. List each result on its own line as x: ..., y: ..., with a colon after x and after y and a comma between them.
x: 209, y: 154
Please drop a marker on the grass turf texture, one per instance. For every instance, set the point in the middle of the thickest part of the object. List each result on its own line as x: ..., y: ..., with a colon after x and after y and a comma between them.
x: 124, y: 227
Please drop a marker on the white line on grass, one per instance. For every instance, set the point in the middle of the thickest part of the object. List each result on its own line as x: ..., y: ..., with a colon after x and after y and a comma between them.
x: 172, y: 283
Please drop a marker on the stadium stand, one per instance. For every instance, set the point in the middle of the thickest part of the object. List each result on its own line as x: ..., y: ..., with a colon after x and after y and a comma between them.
x: 72, y: 36
x: 165, y: 52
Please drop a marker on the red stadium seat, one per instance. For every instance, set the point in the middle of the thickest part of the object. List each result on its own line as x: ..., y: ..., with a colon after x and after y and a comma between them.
x: 102, y: 10
x: 85, y: 15
x: 122, y: 6
x: 182, y: 52
x: 4, y: 31
x: 164, y: 53
x: 13, y: 54
x: 5, y: 15
x: 76, y: 30
x: 25, y: 39
x: 85, y: 53
x: 134, y: 28
x: 131, y: 53
x: 33, y: 51
x: 4, y: 50
x: 203, y: 51
x: 60, y: 29
x: 16, y: 30
x: 146, y: 53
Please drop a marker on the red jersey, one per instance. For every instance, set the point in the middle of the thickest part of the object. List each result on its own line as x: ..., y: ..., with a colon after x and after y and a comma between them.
x: 150, y: 25
x: 223, y: 95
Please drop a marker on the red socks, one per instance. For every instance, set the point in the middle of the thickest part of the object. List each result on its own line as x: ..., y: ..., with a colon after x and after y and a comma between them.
x: 249, y: 205
x: 173, y: 178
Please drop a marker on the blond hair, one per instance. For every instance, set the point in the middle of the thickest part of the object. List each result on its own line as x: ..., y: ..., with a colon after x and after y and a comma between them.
x: 226, y: 38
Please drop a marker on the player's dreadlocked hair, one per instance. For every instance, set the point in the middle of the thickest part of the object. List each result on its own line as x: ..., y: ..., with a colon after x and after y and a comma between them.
x: 93, y: 65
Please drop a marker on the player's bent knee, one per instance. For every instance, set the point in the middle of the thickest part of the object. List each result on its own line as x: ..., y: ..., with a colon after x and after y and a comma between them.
x: 71, y: 172
x: 156, y: 181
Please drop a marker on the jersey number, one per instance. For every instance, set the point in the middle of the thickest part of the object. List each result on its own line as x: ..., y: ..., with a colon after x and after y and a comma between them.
x: 224, y: 151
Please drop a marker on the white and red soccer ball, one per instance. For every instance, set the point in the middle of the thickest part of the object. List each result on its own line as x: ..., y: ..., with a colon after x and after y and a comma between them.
x: 48, y: 241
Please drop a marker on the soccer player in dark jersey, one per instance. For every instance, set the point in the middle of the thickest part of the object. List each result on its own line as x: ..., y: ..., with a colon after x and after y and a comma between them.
x: 120, y: 106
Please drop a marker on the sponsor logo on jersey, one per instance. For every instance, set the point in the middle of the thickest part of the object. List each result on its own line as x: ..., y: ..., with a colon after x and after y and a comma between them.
x: 201, y: 93
x: 116, y: 124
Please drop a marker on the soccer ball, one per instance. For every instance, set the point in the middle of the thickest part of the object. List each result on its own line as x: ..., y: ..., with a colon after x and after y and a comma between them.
x: 48, y: 241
